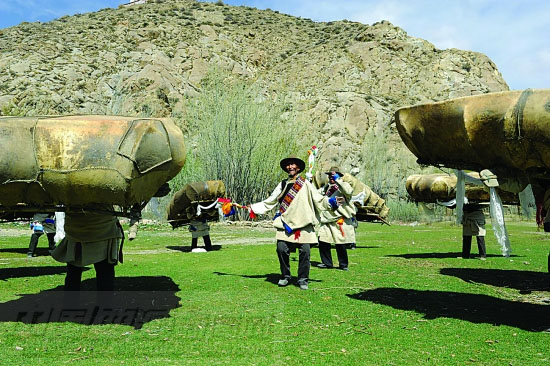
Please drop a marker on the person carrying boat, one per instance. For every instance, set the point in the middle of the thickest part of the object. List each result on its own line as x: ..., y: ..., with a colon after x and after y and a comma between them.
x: 473, y: 224
x: 90, y: 238
x: 198, y: 228
x: 42, y: 223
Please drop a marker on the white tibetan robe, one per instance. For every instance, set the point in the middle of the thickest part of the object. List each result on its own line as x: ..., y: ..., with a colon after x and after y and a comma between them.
x: 302, y: 213
x: 330, y: 231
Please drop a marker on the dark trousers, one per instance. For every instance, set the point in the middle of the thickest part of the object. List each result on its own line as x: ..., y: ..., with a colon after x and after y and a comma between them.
x: 207, y: 242
x: 34, y: 242
x: 283, y: 252
x: 467, y: 245
x: 326, y: 256
x: 104, y: 275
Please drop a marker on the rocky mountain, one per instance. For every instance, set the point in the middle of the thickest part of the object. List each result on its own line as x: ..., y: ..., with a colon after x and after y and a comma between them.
x: 341, y: 77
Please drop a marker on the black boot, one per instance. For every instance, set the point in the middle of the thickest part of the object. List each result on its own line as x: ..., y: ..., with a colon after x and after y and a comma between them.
x: 207, y: 243
x: 33, y: 243
x: 466, y: 246
x: 481, y: 247
x: 325, y: 254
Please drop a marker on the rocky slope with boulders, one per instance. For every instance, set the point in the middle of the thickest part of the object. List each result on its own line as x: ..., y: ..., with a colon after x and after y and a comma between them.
x: 341, y: 78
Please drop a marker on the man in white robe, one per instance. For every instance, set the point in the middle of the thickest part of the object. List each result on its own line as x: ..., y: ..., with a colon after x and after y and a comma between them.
x: 300, y: 205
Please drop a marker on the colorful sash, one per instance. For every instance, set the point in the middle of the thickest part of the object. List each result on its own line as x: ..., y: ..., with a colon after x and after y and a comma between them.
x: 331, y: 190
x: 291, y: 195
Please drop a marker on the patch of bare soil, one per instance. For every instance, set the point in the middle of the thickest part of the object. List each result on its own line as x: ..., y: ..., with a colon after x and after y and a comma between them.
x: 14, y: 232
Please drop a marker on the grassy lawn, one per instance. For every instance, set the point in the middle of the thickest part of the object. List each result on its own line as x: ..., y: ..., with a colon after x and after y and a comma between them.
x: 406, y: 300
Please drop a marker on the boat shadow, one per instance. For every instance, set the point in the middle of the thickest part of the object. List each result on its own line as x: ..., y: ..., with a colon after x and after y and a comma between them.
x: 473, y: 308
x: 524, y: 281
x: 440, y: 255
x: 135, y: 301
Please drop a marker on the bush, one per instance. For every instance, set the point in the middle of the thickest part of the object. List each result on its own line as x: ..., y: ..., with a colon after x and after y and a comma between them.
x: 12, y: 110
x: 241, y: 137
x: 192, y: 171
x: 387, y: 166
x: 407, y: 211
x: 403, y: 211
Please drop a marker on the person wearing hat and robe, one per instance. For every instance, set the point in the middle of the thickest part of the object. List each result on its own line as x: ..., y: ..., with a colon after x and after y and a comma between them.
x: 298, y: 214
x: 337, y: 226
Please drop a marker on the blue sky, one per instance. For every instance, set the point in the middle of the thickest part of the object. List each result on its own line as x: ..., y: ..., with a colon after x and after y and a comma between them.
x: 513, y: 33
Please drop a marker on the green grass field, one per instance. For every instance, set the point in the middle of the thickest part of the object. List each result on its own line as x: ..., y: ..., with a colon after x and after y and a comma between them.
x: 407, y: 300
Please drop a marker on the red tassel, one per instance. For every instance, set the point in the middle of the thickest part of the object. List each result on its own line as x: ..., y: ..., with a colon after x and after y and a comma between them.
x: 252, y: 214
x: 340, y: 223
x: 297, y: 233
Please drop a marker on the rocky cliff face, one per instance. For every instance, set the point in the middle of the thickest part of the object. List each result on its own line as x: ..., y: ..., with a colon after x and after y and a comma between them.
x: 341, y: 77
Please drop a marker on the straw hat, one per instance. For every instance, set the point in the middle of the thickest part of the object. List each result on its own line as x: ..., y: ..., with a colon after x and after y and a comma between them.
x: 299, y: 162
x: 334, y: 169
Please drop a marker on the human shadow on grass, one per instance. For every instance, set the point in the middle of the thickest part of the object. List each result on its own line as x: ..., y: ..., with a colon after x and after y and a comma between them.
x: 135, y: 301
x: 315, y: 264
x: 269, y: 277
x: 524, y: 281
x: 365, y: 247
x: 187, y: 249
x: 438, y: 255
x: 38, y: 252
x: 474, y: 308
x: 18, y: 272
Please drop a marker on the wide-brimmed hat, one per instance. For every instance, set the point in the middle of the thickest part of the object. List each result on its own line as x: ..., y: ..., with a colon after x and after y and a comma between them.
x: 334, y: 169
x: 488, y: 178
x: 299, y: 162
